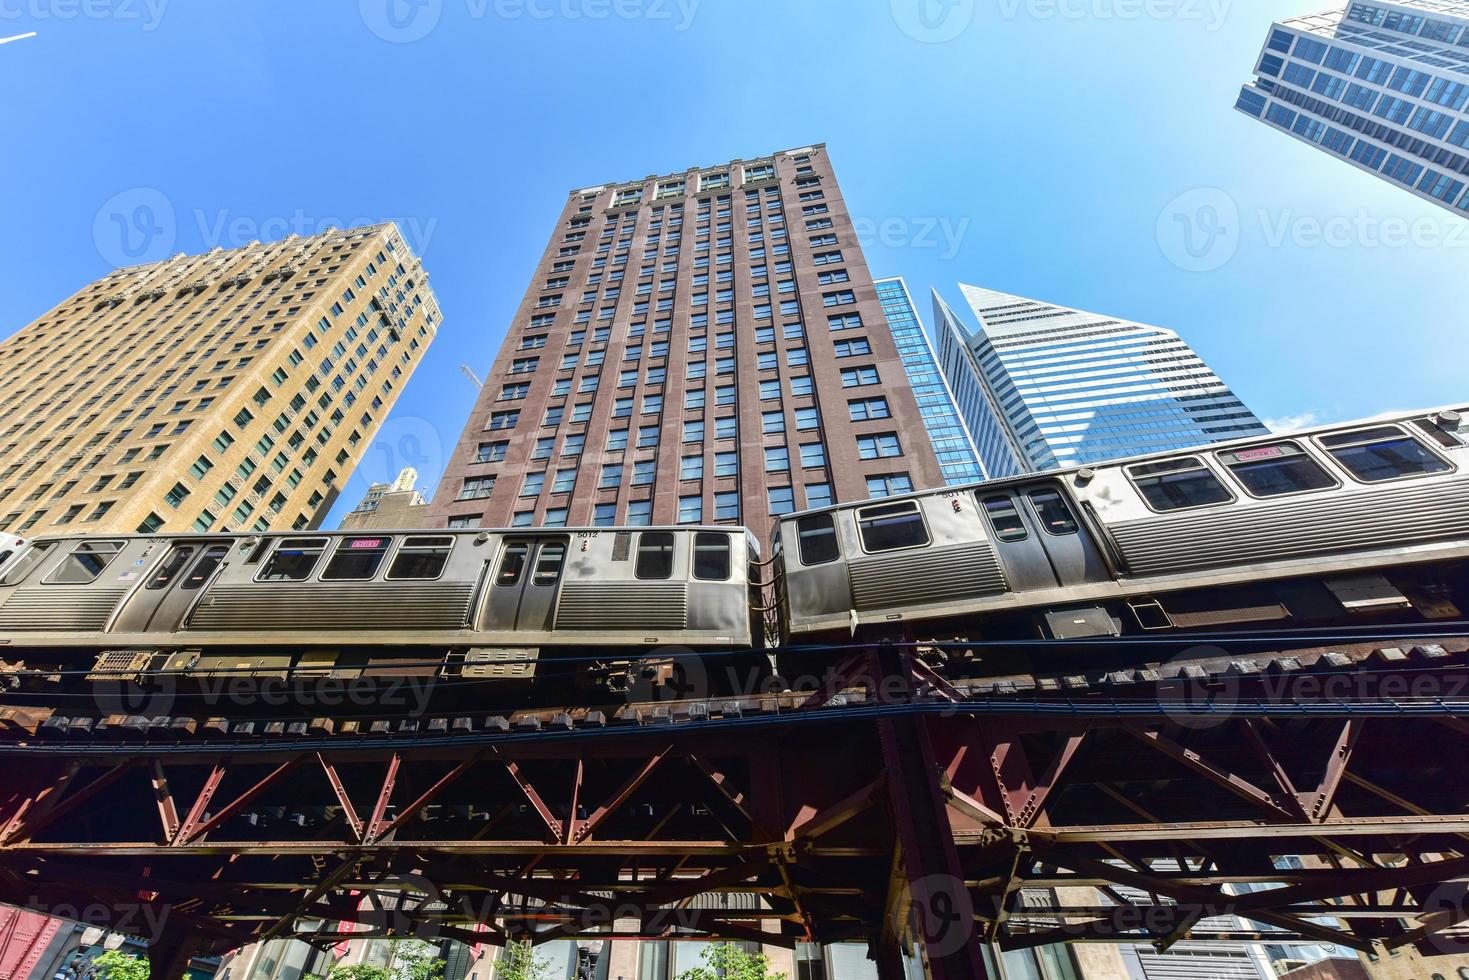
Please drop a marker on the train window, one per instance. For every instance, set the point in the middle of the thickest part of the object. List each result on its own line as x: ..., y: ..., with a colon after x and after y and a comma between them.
x: 512, y: 563
x: 711, y: 556
x: 356, y: 558
x: 1056, y: 517
x: 1273, y: 471
x: 85, y: 563
x: 888, y: 527
x: 1178, y: 483
x: 817, y: 535
x: 1005, y: 519
x: 26, y: 562
x: 421, y: 557
x: 293, y: 560
x: 171, y: 566
x: 205, y: 566
x: 1383, y: 453
x: 655, y: 555
x: 548, y: 563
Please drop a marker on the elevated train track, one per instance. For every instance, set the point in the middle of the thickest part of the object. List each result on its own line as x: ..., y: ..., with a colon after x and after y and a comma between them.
x: 888, y: 805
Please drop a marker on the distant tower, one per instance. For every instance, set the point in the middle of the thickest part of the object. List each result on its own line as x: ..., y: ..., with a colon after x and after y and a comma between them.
x: 1380, y: 85
x: 1072, y: 387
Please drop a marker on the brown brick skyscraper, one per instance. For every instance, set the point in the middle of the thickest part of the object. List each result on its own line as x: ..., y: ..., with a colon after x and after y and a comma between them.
x: 702, y: 347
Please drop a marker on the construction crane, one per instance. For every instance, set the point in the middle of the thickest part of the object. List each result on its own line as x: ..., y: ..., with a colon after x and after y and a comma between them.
x: 468, y: 372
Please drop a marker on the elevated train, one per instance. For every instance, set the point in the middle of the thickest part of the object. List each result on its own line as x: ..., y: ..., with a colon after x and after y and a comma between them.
x: 1346, y: 523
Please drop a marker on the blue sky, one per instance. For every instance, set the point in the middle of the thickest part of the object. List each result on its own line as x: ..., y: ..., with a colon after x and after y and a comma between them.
x: 1042, y: 147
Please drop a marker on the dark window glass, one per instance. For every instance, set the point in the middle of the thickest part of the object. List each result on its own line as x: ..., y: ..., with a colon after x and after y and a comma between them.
x: 1005, y: 519
x: 1050, y: 507
x: 171, y: 566
x: 1178, y: 483
x: 817, y: 535
x: 1384, y: 453
x: 512, y: 564
x: 293, y: 560
x: 85, y: 562
x: 420, y: 558
x: 891, y: 526
x: 1272, y: 471
x: 711, y: 556
x: 205, y: 566
x: 655, y: 555
x: 28, y: 561
x: 356, y: 558
x: 548, y: 563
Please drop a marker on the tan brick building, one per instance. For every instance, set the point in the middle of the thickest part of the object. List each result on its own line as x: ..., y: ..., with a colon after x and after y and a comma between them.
x: 701, y: 347
x: 389, y: 506
x: 229, y: 391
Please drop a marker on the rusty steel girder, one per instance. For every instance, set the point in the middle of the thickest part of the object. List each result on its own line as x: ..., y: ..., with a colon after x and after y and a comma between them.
x: 890, y: 807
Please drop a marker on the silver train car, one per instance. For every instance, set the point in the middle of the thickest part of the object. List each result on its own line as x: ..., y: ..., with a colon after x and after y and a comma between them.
x: 1326, y: 525
x: 495, y: 601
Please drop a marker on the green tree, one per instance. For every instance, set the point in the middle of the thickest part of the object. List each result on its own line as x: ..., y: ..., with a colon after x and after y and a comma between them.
x: 117, y: 965
x: 725, y: 961
x: 414, y: 959
x: 519, y: 962
x: 361, y: 971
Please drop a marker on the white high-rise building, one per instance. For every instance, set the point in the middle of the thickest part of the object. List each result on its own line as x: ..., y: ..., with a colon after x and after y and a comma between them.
x: 1073, y: 387
x: 1382, y: 85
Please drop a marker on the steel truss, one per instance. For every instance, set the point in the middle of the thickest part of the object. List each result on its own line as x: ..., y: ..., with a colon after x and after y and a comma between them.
x: 912, y: 815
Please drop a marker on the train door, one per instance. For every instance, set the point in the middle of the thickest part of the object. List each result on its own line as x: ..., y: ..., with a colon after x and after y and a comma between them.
x: 524, y: 585
x: 1040, y: 538
x: 173, y: 586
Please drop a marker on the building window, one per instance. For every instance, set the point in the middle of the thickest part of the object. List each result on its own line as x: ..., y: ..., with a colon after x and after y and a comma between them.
x: 611, y: 476
x: 888, y: 484
x: 813, y: 454
x: 565, y: 481
x: 691, y: 468
x: 476, y: 488
x: 727, y: 506
x: 863, y: 409
x: 640, y: 513
x: 782, y: 500
x: 604, y: 515
x: 690, y: 509
x: 777, y: 459
x: 490, y: 452
x: 858, y: 377
x: 818, y: 495
x: 879, y: 445
x: 534, y: 483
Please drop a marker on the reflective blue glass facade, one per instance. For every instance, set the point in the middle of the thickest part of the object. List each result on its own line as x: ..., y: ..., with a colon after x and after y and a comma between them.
x: 1075, y: 388
x: 998, y: 454
x: 951, y: 443
x: 1383, y: 86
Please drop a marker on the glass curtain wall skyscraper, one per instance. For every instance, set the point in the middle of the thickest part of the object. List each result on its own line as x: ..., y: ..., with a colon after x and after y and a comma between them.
x: 998, y: 453
x: 1383, y: 86
x: 946, y: 430
x: 1074, y: 387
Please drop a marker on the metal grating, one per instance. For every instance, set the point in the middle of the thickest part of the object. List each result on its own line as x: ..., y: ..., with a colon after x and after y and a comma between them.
x: 352, y: 605
x: 634, y: 606
x: 60, y: 607
x: 907, y: 578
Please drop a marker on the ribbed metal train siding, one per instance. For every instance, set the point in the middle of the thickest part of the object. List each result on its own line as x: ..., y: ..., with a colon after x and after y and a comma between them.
x: 1385, y: 518
x: 615, y: 606
x: 934, y: 575
x: 60, y: 607
x: 352, y: 605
